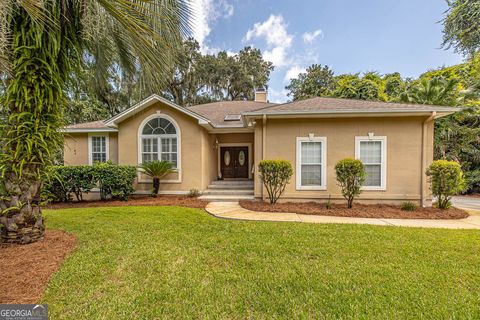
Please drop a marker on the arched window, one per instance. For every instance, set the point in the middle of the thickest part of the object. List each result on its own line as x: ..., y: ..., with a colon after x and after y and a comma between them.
x: 160, y: 141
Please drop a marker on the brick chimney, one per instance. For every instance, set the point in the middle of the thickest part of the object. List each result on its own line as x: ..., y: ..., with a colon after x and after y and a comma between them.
x: 261, y: 95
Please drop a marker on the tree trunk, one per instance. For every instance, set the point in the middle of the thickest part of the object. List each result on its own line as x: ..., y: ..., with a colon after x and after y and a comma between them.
x: 350, y: 202
x: 156, y: 186
x: 33, y: 107
x: 21, y: 220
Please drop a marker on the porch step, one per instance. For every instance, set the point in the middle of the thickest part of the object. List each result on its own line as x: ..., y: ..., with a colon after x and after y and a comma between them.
x: 226, y: 197
x: 232, y: 183
x: 231, y: 187
x: 229, y: 191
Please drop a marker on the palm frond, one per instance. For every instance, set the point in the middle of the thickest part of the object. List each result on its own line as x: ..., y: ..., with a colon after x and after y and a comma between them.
x: 140, y: 34
x: 157, y: 169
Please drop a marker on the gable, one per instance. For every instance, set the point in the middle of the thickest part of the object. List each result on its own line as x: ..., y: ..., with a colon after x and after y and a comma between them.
x: 148, y: 102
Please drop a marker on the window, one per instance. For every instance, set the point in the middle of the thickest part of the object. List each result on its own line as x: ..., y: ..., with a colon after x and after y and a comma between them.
x: 98, y: 146
x: 311, y: 163
x: 372, y: 152
x: 159, y: 141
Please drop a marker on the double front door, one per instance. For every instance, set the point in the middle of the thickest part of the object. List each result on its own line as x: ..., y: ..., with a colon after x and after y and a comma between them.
x: 234, y: 162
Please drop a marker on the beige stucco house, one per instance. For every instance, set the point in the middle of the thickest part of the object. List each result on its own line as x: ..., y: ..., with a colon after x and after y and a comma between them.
x: 228, y: 139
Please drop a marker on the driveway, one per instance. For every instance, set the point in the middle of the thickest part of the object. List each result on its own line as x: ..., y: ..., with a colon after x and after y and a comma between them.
x: 467, y: 202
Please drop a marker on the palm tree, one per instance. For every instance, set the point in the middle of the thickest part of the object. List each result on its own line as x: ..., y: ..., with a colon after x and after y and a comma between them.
x: 436, y: 91
x: 42, y: 43
x: 156, y: 170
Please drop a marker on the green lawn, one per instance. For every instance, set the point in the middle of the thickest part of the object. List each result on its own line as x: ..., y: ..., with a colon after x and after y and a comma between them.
x: 171, y: 262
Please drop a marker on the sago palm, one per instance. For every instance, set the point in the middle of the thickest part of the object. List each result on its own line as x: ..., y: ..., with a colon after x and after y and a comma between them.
x: 156, y: 170
x: 42, y: 42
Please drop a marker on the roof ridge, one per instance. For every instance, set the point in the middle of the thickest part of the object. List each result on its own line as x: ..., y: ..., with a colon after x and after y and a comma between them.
x: 356, y: 101
x: 230, y: 101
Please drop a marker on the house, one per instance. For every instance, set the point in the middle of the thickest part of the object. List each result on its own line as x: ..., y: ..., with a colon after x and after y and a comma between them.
x: 216, y: 147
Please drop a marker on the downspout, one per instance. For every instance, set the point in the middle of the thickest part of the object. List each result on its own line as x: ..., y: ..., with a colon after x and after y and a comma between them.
x: 264, y: 146
x: 424, y: 158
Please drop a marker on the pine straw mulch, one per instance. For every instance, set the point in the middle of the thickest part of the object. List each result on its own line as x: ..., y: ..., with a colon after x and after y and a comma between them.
x: 358, y: 210
x: 26, y: 269
x: 161, y: 200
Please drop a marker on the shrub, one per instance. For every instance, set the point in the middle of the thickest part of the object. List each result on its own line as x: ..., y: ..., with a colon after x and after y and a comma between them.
x: 193, y: 193
x: 446, y: 178
x: 115, y: 181
x: 408, y: 206
x: 156, y: 170
x: 275, y: 174
x: 328, y: 204
x: 61, y: 182
x: 350, y: 176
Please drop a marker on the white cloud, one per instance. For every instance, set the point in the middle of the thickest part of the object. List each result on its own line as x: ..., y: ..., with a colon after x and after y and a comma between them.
x: 278, y: 56
x: 226, y: 9
x: 277, y: 96
x: 293, y: 73
x: 205, y: 12
x: 309, y: 37
x: 274, y: 32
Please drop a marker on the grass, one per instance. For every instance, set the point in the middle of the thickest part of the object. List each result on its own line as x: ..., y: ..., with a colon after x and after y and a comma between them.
x: 171, y: 262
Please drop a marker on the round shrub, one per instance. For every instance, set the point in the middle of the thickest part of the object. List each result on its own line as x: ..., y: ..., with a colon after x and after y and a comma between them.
x: 447, y: 180
x: 275, y: 175
x: 350, y: 176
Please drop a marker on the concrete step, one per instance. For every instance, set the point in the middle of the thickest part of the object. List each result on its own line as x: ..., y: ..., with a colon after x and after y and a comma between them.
x: 228, y: 192
x: 226, y: 197
x: 233, y: 187
x: 233, y: 182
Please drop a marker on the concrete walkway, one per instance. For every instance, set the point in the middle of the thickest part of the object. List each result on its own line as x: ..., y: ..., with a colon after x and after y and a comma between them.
x: 467, y: 202
x: 233, y: 210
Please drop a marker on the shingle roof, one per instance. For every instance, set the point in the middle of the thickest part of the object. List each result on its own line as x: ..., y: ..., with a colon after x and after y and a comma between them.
x: 88, y: 125
x: 217, y: 111
x: 334, y: 105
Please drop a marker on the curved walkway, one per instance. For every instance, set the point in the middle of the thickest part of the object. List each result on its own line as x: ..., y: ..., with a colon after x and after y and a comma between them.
x: 233, y: 210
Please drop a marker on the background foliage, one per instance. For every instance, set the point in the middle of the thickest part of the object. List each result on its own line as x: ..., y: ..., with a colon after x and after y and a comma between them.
x: 194, y: 79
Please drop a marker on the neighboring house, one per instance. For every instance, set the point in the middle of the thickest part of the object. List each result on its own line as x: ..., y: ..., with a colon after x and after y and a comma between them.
x: 228, y: 139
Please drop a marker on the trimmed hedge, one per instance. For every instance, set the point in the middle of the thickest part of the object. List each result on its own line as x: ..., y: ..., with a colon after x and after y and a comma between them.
x: 115, y: 181
x: 62, y: 183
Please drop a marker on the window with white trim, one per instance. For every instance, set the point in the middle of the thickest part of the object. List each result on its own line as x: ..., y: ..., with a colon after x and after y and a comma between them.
x: 160, y: 141
x: 311, y: 163
x: 98, y: 149
x: 372, y: 152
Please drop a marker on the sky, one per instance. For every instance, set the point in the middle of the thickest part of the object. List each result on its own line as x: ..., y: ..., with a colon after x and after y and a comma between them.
x: 349, y: 36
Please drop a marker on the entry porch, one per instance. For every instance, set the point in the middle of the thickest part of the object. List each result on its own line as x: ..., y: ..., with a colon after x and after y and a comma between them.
x: 234, y: 163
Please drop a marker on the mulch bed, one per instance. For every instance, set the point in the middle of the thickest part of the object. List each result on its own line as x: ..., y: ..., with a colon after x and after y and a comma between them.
x: 26, y: 269
x: 358, y: 210
x: 163, y: 200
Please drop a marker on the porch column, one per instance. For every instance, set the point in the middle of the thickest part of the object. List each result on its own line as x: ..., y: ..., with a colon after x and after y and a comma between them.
x: 264, y: 147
